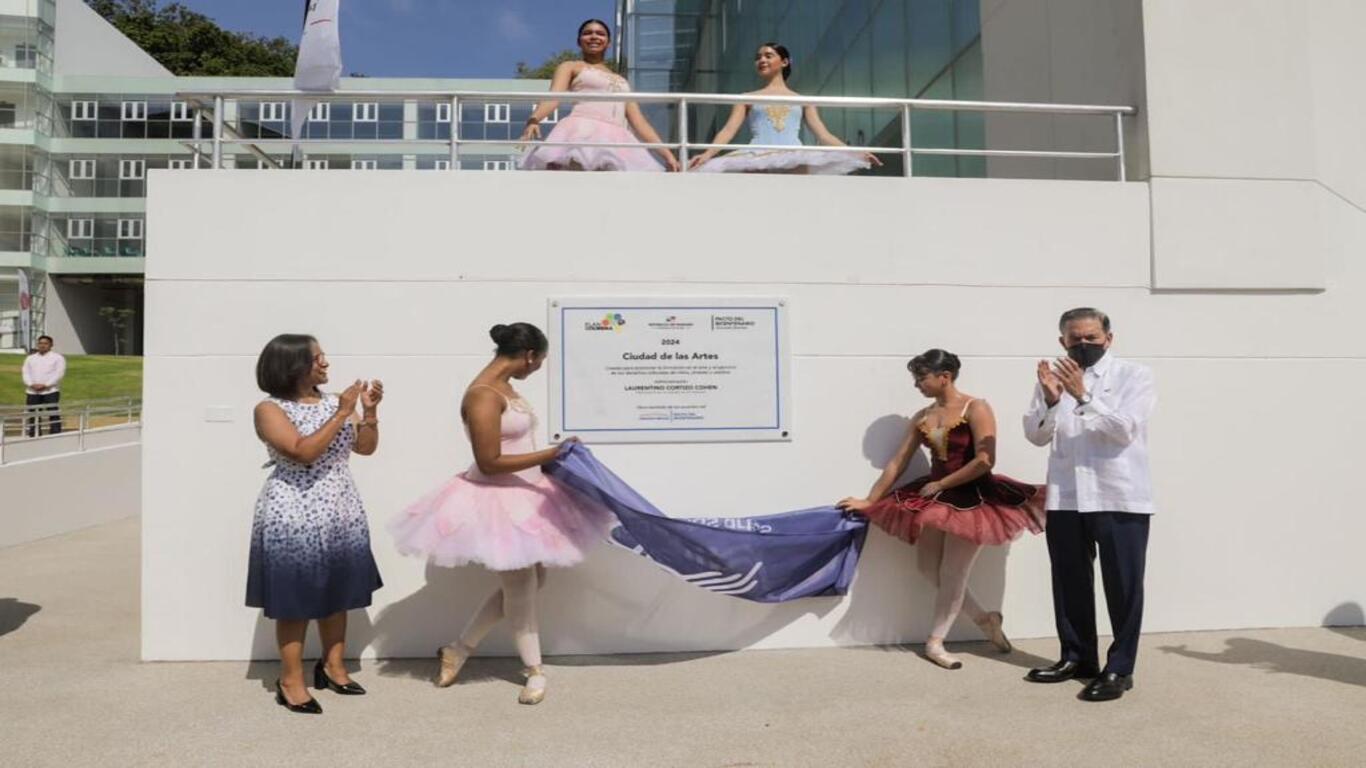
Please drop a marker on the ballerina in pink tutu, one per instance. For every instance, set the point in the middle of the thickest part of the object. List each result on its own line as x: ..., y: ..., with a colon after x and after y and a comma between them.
x: 502, y: 513
x: 590, y: 122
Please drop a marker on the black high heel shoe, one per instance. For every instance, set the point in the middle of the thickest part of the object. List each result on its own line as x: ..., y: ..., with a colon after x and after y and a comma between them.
x: 310, y: 707
x: 321, y: 681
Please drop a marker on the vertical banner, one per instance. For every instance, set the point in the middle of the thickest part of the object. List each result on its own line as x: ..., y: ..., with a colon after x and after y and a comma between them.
x: 319, y: 66
x: 670, y: 369
x: 25, y: 312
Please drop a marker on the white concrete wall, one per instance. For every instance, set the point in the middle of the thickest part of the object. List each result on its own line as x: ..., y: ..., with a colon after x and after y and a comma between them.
x: 51, y: 496
x: 400, y: 275
x: 1256, y: 139
x: 88, y: 45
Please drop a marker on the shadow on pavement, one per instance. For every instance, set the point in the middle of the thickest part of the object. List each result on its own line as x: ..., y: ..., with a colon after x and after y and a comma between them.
x: 14, y: 612
x: 1282, y: 660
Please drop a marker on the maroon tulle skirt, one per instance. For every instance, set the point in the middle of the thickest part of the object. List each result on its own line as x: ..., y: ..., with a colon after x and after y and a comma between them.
x: 992, y: 510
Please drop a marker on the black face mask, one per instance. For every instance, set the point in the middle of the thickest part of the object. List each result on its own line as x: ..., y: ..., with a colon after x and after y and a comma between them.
x: 1086, y: 354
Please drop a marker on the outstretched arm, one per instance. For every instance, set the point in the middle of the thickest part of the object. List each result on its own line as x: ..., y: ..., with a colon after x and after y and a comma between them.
x: 647, y: 133
x: 559, y: 83
x: 891, y: 472
x: 725, y: 135
x: 824, y: 136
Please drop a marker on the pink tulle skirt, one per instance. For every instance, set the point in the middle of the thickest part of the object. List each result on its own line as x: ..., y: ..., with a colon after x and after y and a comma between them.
x: 582, y: 158
x: 504, y: 525
x: 992, y: 510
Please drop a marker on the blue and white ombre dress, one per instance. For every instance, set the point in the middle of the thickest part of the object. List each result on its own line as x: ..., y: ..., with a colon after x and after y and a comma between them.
x: 310, y: 541
x: 781, y: 124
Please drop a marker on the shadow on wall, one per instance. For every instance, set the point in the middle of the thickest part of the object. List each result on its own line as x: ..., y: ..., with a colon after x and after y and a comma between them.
x: 14, y: 613
x: 1346, y: 620
x: 639, y: 602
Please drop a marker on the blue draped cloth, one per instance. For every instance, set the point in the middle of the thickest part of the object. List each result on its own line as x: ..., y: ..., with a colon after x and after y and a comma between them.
x: 767, y: 559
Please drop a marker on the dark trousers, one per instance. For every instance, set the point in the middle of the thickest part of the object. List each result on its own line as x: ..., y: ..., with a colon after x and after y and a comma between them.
x: 1122, y: 539
x: 46, y: 401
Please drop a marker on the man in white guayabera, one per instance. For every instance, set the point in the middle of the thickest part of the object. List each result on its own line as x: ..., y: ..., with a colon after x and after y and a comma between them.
x: 43, y: 374
x: 1093, y: 409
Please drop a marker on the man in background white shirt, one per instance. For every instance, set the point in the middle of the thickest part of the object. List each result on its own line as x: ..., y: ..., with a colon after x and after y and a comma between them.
x: 43, y: 374
x: 1093, y: 409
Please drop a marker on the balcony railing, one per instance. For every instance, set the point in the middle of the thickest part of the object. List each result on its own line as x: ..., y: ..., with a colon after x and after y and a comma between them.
x: 212, y: 106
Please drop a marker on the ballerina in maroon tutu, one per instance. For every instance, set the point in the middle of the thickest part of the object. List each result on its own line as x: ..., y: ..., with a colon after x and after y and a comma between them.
x: 959, y: 507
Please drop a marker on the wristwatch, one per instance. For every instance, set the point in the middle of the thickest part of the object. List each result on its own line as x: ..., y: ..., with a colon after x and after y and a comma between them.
x: 1085, y: 399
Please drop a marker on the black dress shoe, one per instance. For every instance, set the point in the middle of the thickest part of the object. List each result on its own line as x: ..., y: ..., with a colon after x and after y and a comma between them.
x: 1061, y: 672
x: 310, y: 707
x: 321, y: 681
x: 1107, y: 687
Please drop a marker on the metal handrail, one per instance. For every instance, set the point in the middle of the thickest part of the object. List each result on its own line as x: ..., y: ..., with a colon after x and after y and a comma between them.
x: 682, y: 101
x: 16, y: 420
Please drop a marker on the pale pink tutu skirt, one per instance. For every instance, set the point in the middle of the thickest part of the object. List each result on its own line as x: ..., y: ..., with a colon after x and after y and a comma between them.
x: 589, y: 130
x: 505, y: 525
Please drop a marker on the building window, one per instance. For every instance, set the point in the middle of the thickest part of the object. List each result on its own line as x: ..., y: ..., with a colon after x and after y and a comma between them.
x: 364, y: 165
x: 553, y: 117
x: 134, y: 111
x: 130, y: 170
x: 443, y: 113
x: 315, y: 165
x: 80, y: 229
x: 130, y: 229
x: 497, y: 165
x: 366, y: 113
x: 181, y: 165
x: 320, y: 113
x: 180, y: 112
x: 497, y: 113
x: 273, y: 111
x: 81, y: 169
x: 84, y: 110
x: 26, y: 56
x: 442, y: 165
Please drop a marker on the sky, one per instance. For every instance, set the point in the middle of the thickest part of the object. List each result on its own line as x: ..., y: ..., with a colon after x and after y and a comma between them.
x: 426, y: 38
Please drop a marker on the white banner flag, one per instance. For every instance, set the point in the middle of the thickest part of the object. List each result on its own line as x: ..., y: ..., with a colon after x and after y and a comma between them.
x: 319, y: 67
x: 25, y: 312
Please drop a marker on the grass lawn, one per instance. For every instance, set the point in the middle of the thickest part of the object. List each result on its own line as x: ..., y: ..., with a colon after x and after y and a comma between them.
x: 89, y: 377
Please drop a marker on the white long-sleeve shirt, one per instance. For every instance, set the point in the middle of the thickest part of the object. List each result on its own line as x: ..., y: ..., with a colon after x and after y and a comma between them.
x: 47, y: 369
x: 1099, y: 456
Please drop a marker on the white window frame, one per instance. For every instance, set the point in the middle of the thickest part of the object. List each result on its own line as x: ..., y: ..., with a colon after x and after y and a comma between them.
x: 272, y: 111
x: 497, y: 114
x: 75, y: 167
x: 134, y: 112
x: 132, y: 170
x: 180, y: 112
x: 80, y: 229
x: 443, y: 113
x: 130, y: 229
x: 497, y: 165
x: 317, y: 165
x: 442, y: 165
x: 320, y: 113
x: 365, y: 165
x: 85, y: 111
x: 365, y: 112
x: 181, y: 164
x: 553, y: 117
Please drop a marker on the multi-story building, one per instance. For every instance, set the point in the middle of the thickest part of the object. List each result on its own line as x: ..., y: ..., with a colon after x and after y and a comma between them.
x: 86, y: 115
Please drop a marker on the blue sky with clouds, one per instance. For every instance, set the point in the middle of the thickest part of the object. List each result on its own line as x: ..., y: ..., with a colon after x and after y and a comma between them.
x: 427, y: 38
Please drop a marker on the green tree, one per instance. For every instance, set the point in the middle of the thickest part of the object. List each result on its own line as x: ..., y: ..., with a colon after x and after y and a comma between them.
x: 190, y: 43
x: 546, y: 70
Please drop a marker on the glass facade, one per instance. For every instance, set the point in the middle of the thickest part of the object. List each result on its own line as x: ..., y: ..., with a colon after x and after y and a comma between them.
x: 893, y: 48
